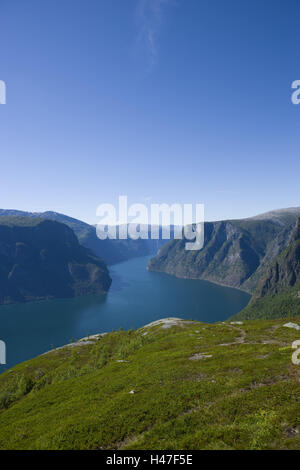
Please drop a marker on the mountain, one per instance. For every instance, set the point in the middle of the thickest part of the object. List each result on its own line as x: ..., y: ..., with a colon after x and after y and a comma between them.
x: 282, y: 216
x: 285, y: 272
x: 170, y: 385
x: 41, y: 259
x: 111, y: 251
x: 278, y: 293
x: 236, y: 253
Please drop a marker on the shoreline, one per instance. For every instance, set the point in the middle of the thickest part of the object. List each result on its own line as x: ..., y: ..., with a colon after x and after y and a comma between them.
x: 200, y: 279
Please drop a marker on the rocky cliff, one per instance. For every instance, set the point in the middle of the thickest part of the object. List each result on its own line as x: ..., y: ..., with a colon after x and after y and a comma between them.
x: 236, y: 253
x: 42, y: 259
x: 278, y: 293
x: 111, y: 251
x: 284, y: 272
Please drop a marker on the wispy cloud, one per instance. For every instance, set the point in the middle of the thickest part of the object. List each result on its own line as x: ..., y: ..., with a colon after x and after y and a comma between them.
x: 149, y: 15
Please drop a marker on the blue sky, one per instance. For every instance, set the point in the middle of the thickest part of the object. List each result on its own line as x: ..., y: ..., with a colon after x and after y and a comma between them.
x: 183, y: 101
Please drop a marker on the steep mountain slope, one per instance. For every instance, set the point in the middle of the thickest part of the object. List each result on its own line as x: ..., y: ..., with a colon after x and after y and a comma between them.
x: 111, y: 251
x: 278, y: 293
x: 182, y: 385
x: 236, y: 253
x: 285, y: 272
x: 42, y: 259
x: 285, y: 304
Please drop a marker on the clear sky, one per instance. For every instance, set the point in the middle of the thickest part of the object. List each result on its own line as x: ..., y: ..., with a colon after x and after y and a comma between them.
x: 161, y: 100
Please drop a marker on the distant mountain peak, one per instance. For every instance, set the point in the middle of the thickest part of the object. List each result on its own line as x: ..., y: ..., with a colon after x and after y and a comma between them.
x: 278, y: 215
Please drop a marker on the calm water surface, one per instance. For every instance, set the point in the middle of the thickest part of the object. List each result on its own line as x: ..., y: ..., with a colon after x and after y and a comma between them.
x: 137, y: 297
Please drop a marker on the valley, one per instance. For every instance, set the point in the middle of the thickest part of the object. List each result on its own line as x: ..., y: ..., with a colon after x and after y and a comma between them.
x: 136, y: 297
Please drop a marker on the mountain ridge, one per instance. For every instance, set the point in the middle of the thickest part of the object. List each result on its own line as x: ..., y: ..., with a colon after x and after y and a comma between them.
x: 42, y: 259
x: 236, y: 253
x: 111, y: 251
x: 278, y: 293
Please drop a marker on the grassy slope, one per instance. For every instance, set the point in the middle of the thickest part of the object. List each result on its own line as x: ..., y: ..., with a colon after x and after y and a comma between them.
x: 283, y: 305
x: 246, y: 396
x: 274, y: 296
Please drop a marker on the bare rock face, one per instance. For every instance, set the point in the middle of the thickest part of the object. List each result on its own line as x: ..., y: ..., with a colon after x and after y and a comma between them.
x: 278, y: 293
x: 41, y: 259
x: 236, y: 253
x: 296, y: 234
x: 285, y: 272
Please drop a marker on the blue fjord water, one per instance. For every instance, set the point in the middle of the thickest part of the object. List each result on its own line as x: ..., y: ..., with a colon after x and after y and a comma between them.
x: 136, y: 297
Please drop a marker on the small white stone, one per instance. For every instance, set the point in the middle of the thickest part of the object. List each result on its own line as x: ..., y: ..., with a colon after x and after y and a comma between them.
x: 198, y: 356
x: 292, y: 325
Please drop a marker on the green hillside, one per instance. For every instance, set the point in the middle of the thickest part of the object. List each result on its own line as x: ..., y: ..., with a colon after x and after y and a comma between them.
x: 283, y: 305
x: 173, y: 385
x: 278, y: 293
